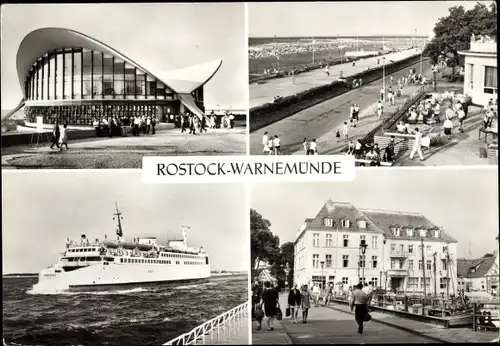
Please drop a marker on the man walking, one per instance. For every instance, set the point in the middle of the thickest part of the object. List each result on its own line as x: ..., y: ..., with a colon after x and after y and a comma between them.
x: 359, y: 304
x: 55, y: 135
x: 417, y: 145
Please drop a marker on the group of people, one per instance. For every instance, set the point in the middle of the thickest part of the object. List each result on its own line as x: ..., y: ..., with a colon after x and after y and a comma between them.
x: 271, y: 144
x: 265, y: 302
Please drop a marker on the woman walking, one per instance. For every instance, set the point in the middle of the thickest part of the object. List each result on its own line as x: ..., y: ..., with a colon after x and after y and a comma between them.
x: 305, y: 303
x: 270, y: 302
x: 294, y: 300
x: 63, y: 139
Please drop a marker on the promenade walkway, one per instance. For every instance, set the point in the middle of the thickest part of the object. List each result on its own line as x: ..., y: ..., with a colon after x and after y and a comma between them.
x: 265, y: 92
x: 322, y: 120
x: 126, y: 152
x: 335, y: 324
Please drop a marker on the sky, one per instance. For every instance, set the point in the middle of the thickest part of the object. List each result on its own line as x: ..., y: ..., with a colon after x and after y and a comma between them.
x: 40, y: 209
x: 354, y: 18
x: 462, y: 201
x: 169, y: 36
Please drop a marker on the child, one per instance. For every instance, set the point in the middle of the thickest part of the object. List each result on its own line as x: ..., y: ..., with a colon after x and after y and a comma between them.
x: 259, y: 315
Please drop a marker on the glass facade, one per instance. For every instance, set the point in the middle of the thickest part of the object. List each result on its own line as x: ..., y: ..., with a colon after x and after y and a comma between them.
x: 84, y: 74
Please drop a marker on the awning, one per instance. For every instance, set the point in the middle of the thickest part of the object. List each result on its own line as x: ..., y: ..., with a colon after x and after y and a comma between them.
x: 188, y: 101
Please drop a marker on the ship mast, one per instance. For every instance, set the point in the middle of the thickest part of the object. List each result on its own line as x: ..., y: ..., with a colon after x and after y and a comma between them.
x: 119, y: 230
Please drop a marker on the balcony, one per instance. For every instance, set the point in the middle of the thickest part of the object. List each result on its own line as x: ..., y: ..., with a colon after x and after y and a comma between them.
x: 397, y: 272
x: 398, y: 254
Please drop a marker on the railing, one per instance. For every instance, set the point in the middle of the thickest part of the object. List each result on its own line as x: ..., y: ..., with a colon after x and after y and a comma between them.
x: 201, y: 332
x: 398, y: 253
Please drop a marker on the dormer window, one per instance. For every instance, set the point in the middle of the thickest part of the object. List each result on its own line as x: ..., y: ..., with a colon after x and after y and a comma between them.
x: 409, y: 232
x: 345, y: 223
x: 328, y: 222
x: 397, y: 232
x: 436, y: 234
x: 362, y: 224
x: 423, y: 232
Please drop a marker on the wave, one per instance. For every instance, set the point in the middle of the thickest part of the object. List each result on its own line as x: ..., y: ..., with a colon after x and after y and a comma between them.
x: 49, y: 291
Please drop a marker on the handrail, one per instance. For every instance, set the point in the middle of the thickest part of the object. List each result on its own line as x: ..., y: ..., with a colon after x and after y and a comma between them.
x: 190, y: 338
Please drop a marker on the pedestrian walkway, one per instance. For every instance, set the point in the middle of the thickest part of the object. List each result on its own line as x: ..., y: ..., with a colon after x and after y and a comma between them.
x: 266, y: 91
x: 422, y: 329
x: 125, y: 152
x: 328, y: 326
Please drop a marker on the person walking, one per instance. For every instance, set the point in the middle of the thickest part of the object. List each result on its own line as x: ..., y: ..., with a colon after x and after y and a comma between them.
x: 329, y: 292
x: 305, y: 145
x: 63, y: 139
x: 316, y: 292
x: 294, y: 301
x: 270, y: 302
x: 305, y: 303
x: 447, y: 127
x: 256, y: 296
x: 276, y: 145
x: 313, y: 147
x: 417, y: 145
x: 55, y: 136
x: 359, y: 303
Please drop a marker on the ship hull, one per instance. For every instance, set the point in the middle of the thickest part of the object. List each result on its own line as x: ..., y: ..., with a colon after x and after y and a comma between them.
x: 130, y: 285
x: 116, y: 275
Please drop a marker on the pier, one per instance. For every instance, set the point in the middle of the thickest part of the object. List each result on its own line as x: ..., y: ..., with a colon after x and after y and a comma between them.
x: 229, y: 328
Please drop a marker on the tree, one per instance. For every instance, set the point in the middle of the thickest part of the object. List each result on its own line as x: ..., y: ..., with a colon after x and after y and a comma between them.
x: 264, y: 245
x: 453, y: 33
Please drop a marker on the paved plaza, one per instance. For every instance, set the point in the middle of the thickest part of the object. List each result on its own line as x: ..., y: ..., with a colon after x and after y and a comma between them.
x: 265, y: 92
x: 335, y: 324
x: 126, y: 152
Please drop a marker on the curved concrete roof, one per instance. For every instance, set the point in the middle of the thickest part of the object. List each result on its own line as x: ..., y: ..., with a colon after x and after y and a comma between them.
x: 40, y: 41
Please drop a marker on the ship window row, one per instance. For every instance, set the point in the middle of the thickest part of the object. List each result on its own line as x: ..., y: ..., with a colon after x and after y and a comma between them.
x: 83, y: 249
x: 79, y: 73
x: 174, y: 255
x: 87, y: 259
x: 144, y: 260
x: 195, y: 263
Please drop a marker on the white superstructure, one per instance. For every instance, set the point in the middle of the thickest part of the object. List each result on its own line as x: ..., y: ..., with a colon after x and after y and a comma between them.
x: 108, y: 264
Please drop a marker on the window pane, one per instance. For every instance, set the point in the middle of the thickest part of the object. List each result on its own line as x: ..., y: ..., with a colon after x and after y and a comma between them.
x: 490, y: 77
x: 119, y: 72
x: 97, y: 75
x: 52, y: 71
x: 129, y: 81
x: 160, y: 90
x: 39, y: 81
x: 87, y: 73
x: 46, y: 78
x: 108, y: 87
x: 77, y: 72
x: 68, y: 65
x: 140, y: 87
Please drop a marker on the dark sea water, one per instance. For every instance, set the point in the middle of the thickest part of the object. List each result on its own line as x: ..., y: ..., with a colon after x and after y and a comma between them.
x: 138, y: 316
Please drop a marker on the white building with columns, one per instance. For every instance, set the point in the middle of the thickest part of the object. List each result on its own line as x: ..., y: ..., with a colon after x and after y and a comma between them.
x: 480, y: 80
x: 393, y: 257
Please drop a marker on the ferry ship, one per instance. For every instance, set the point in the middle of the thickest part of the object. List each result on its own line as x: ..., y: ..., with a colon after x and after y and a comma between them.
x: 103, y: 265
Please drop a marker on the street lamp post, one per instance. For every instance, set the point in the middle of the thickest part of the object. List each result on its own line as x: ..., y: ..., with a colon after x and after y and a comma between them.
x: 363, y: 251
x: 287, y: 270
x: 322, y: 265
x: 383, y: 78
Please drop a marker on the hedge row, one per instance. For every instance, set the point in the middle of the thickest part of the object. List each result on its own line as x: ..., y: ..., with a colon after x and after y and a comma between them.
x: 269, y: 113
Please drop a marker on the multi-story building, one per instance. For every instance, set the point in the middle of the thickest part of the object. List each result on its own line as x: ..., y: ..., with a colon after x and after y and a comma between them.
x: 333, y: 238
x: 404, y: 251
x: 418, y: 256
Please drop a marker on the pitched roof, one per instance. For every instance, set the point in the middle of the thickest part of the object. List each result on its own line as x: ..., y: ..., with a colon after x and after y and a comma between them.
x: 483, y: 265
x: 338, y: 211
x: 387, y: 219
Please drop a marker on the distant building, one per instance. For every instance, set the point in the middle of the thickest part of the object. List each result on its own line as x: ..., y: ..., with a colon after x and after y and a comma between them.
x: 480, y: 80
x: 479, y: 275
x: 393, y: 258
